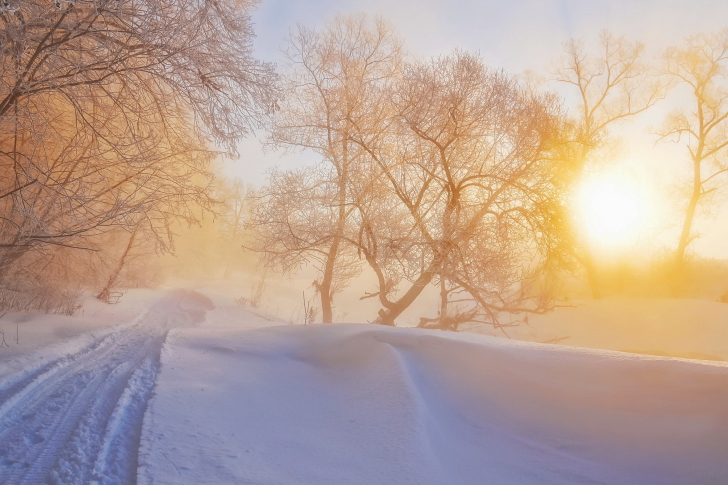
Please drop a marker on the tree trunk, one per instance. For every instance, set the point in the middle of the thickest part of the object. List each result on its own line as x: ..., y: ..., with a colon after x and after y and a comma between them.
x: 685, y: 237
x: 325, y: 287
x: 388, y: 315
x: 591, y: 273
x: 327, y: 298
x: 105, y: 294
x: 443, y: 300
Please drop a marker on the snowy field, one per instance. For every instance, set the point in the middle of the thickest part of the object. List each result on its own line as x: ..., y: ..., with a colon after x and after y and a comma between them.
x: 180, y: 388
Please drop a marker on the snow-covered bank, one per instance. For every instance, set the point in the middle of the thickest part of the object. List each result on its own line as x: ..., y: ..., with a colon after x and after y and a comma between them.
x: 46, y: 331
x: 360, y: 404
x: 696, y: 329
x: 687, y: 328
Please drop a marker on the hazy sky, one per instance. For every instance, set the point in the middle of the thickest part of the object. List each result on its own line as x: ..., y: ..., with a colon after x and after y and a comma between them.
x: 516, y: 35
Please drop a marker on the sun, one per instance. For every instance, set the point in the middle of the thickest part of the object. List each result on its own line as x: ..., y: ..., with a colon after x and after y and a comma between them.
x: 611, y: 210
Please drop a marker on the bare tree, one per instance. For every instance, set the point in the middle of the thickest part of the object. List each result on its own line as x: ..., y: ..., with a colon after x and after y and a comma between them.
x: 108, y: 109
x: 701, y: 63
x: 461, y: 192
x: 235, y: 212
x: 235, y: 199
x: 295, y: 218
x: 611, y: 86
x: 329, y: 81
x: 106, y: 293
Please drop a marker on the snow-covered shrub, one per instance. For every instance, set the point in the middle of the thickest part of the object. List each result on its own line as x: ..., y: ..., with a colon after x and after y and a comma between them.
x: 46, y: 298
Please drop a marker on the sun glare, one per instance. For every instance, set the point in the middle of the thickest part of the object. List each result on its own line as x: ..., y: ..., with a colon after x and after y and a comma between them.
x: 612, y: 210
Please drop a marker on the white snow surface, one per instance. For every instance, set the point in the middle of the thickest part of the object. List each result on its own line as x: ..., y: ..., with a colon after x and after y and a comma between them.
x: 164, y: 389
x: 242, y: 399
x: 72, y: 413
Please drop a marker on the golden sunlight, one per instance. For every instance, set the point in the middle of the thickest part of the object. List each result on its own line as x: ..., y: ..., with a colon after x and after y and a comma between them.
x: 611, y: 210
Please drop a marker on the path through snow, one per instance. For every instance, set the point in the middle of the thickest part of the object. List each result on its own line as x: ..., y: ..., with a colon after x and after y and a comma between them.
x: 78, y: 419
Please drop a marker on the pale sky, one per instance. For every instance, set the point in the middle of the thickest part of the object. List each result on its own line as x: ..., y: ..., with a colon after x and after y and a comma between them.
x: 516, y: 35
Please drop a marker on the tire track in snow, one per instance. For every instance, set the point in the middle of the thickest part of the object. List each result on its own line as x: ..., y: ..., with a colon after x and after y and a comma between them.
x: 121, y: 441
x: 38, y: 368
x: 78, y: 420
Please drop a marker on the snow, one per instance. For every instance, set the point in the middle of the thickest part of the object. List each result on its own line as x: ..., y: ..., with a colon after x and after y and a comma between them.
x: 75, y: 416
x: 46, y: 341
x: 696, y: 329
x: 239, y: 401
x: 39, y: 330
x: 180, y: 388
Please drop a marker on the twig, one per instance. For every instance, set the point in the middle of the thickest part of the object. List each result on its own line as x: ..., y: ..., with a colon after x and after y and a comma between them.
x: 555, y: 340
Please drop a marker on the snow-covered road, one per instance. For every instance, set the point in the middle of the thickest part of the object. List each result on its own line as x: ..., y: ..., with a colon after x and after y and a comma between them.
x: 78, y: 419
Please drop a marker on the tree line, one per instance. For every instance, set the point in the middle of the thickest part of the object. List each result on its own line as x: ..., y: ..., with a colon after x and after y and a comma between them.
x: 441, y: 172
x: 111, y: 112
x: 449, y: 173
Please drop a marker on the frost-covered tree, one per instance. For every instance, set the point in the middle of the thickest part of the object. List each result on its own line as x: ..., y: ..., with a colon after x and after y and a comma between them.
x: 303, y: 216
x: 701, y: 63
x: 463, y: 190
x: 108, y: 110
x: 610, y: 85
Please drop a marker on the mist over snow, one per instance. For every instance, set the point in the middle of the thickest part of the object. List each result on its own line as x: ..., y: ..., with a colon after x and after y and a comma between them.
x: 209, y: 392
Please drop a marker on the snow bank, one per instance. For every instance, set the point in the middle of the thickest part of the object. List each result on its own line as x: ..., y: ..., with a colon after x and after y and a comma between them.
x: 687, y: 328
x: 38, y: 331
x: 360, y: 404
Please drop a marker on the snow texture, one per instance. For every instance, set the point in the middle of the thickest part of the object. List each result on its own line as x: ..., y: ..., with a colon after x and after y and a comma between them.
x: 77, y: 418
x: 167, y: 389
x: 361, y: 404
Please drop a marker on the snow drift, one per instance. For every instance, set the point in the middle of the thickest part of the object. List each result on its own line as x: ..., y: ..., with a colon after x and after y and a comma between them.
x: 360, y: 404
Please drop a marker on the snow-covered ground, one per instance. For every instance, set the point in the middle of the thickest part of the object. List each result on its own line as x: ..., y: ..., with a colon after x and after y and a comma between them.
x: 361, y: 404
x: 688, y: 328
x: 172, y: 391
x: 38, y: 330
x: 695, y: 329
x: 72, y: 413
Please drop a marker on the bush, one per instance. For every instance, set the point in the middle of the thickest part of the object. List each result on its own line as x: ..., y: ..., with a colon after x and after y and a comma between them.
x: 40, y: 298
